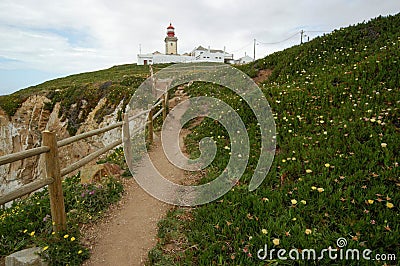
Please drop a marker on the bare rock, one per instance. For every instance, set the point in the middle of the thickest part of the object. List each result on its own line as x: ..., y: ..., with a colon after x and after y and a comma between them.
x: 95, y: 173
x: 26, y: 257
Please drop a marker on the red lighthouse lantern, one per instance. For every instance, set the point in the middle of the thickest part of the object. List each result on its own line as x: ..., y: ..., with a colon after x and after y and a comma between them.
x: 170, y: 31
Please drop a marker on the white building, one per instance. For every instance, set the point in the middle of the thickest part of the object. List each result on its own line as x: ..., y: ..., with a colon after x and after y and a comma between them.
x: 202, y: 54
x: 244, y: 60
x: 199, y: 54
x: 159, y: 58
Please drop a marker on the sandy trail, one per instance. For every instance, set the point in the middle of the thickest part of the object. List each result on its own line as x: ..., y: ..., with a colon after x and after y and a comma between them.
x: 129, y: 231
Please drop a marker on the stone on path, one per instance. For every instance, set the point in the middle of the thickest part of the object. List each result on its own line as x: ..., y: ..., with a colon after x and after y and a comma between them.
x: 26, y: 257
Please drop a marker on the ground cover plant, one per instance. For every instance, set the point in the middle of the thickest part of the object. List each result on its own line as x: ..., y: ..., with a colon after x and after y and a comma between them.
x: 28, y: 223
x: 336, y: 171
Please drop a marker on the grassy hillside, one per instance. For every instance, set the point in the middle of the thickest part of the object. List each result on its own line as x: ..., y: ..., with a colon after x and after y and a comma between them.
x: 73, y: 92
x: 336, y: 171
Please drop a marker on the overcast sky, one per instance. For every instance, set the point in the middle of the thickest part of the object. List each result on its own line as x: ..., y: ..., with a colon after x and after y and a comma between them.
x: 45, y: 39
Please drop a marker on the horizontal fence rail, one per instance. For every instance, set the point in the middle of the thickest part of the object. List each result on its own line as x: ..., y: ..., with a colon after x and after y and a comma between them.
x: 157, y: 114
x: 92, y: 133
x: 10, y: 158
x: 95, y: 132
x: 54, y: 174
x: 26, y: 189
x: 157, y: 103
x: 89, y: 158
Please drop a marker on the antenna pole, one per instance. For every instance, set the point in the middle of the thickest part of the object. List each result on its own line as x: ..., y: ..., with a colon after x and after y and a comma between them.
x: 301, y: 36
x: 254, y: 50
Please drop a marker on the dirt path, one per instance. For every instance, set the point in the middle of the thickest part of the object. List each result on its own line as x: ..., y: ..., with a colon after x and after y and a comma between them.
x: 129, y: 231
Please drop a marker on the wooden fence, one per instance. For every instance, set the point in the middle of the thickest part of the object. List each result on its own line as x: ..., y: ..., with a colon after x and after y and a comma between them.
x: 54, y: 173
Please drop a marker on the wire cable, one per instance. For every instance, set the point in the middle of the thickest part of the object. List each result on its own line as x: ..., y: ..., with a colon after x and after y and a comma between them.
x: 268, y: 43
x: 242, y: 47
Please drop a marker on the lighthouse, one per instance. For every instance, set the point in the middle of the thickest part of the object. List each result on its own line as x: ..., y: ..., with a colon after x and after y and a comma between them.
x: 171, y: 41
x: 199, y: 54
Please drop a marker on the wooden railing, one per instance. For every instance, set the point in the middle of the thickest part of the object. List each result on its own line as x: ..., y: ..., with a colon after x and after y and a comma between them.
x: 54, y: 173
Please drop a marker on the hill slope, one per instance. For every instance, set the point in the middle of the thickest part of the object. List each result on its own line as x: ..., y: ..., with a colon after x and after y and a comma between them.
x: 69, y: 105
x: 336, y: 171
x: 115, y: 84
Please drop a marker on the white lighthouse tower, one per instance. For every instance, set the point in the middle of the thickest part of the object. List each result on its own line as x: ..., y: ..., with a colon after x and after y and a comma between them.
x: 171, y: 41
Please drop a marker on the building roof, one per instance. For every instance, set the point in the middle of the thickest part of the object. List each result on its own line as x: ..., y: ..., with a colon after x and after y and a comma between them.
x: 170, y: 26
x: 201, y: 48
x: 246, y: 57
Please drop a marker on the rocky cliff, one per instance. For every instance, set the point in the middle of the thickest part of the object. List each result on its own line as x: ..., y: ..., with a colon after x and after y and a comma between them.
x: 67, y: 106
x: 22, y: 131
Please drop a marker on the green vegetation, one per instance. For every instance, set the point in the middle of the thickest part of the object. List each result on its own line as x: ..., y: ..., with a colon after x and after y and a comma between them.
x: 28, y: 222
x: 79, y: 94
x: 336, y: 170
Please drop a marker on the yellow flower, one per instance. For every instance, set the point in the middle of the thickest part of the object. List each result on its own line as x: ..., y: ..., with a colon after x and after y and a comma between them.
x: 308, y: 171
x: 383, y: 145
x: 304, y: 202
x: 370, y: 201
x: 294, y: 202
x: 26, y: 230
x: 53, y: 233
x: 308, y: 231
x: 32, y: 233
x: 45, y: 248
x: 66, y: 236
x: 276, y: 241
x: 80, y: 251
x: 264, y: 231
x: 294, y: 219
x: 72, y: 238
x: 327, y: 165
x: 389, y: 205
x: 320, y: 189
x: 313, y: 188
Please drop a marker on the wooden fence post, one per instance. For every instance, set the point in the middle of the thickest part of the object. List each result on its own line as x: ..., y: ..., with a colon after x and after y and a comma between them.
x: 165, y: 105
x: 55, y: 189
x: 150, y: 124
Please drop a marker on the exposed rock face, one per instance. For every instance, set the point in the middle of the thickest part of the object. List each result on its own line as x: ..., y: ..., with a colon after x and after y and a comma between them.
x: 95, y: 173
x: 23, y: 131
x: 26, y: 257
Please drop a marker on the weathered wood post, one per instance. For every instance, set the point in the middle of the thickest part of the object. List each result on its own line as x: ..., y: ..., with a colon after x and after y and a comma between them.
x: 165, y: 105
x: 55, y: 189
x: 150, y: 124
